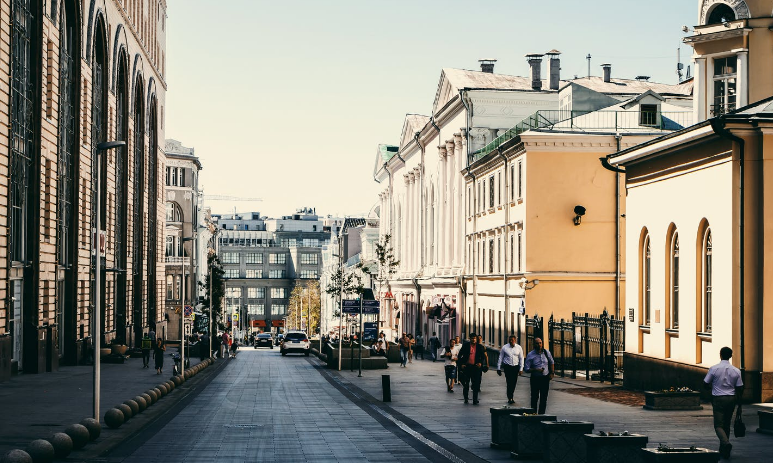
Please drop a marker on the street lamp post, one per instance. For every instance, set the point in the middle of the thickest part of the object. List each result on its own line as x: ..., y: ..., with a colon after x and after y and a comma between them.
x: 96, y: 335
x: 182, y: 303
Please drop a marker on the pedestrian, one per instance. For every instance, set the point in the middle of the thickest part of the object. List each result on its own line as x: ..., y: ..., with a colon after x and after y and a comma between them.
x: 411, y: 343
x: 511, y: 360
x: 234, y: 346
x: 451, y: 354
x: 224, y: 344
x: 539, y: 363
x: 204, y: 346
x: 383, y: 339
x: 726, y: 386
x: 146, y: 346
x: 458, y: 340
x: 433, y: 345
x: 470, y: 361
x: 158, y: 355
x: 405, y: 347
x: 152, y: 335
x: 419, y: 346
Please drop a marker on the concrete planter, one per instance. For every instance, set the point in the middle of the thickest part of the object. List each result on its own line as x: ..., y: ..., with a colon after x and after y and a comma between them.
x: 565, y: 441
x: 118, y: 349
x: 672, y: 400
x: 611, y: 449
x: 526, y: 440
x: 680, y: 455
x: 501, y: 433
x: 766, y: 422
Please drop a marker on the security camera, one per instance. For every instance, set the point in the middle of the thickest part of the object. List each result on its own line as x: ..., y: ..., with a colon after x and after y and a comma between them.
x: 685, y: 29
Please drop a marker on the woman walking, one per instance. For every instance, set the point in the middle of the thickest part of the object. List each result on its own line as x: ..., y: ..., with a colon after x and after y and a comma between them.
x: 158, y: 354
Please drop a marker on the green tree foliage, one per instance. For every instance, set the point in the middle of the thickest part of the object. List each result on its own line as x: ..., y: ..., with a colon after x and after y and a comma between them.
x: 216, y: 273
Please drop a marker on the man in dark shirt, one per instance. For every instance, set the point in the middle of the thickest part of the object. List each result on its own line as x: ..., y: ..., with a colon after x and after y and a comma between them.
x: 470, y: 363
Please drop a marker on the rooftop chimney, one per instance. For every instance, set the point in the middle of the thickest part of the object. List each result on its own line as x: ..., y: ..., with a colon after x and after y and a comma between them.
x: 487, y: 65
x: 607, y: 72
x: 555, y: 69
x: 535, y: 61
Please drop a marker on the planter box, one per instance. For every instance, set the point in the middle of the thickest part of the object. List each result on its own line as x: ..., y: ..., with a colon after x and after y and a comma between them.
x: 564, y: 441
x: 613, y: 449
x: 672, y: 400
x: 501, y: 433
x: 766, y: 422
x: 118, y: 349
x: 681, y: 455
x: 526, y: 440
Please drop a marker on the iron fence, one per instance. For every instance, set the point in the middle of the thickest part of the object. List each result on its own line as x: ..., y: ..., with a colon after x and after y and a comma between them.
x: 593, y: 344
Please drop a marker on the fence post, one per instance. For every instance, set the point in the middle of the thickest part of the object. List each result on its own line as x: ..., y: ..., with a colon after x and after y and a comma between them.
x: 551, y: 346
x: 587, y: 349
x: 574, y: 349
x: 612, y: 350
x: 563, y: 350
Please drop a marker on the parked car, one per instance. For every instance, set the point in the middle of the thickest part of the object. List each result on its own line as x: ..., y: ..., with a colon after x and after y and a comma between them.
x: 264, y: 340
x: 295, y: 341
x: 279, y: 338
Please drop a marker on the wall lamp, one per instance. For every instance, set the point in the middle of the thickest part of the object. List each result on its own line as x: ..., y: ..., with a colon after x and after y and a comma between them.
x: 527, y: 284
x: 579, y: 211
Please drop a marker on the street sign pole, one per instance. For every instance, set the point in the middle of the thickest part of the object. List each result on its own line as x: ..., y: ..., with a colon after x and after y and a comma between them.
x: 359, y: 338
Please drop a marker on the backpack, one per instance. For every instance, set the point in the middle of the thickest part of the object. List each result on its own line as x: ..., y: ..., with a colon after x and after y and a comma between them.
x: 146, y: 343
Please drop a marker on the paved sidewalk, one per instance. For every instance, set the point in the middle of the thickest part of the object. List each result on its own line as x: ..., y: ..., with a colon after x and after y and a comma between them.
x: 419, y: 392
x: 36, y: 406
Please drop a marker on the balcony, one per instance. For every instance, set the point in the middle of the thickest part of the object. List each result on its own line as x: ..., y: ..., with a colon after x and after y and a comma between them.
x: 176, y: 260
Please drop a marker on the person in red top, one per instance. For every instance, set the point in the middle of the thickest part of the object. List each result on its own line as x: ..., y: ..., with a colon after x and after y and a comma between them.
x: 470, y: 361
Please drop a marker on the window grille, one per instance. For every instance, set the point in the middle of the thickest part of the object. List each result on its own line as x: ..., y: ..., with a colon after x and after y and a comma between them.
x: 708, y: 251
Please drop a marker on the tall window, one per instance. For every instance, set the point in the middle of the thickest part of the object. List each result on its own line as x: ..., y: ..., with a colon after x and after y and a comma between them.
x: 520, y: 179
x: 68, y: 143
x: 491, y: 256
x: 646, y: 280
x: 499, y: 188
x: 121, y: 192
x: 152, y: 205
x: 708, y: 250
x: 674, y: 256
x: 173, y: 212
x: 139, y: 205
x: 512, y: 183
x: 512, y: 253
x: 499, y: 254
x: 724, y: 85
x: 491, y: 192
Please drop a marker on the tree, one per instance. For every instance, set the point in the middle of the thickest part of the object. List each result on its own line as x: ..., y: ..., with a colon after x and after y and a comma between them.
x: 351, y: 280
x: 387, y: 264
x: 216, y: 273
x: 305, y: 301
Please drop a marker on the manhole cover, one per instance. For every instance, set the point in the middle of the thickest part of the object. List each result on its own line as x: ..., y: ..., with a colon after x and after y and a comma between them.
x: 243, y: 426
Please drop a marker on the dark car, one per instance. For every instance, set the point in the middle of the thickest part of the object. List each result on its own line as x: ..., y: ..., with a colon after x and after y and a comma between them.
x: 295, y: 341
x: 279, y: 338
x: 264, y: 340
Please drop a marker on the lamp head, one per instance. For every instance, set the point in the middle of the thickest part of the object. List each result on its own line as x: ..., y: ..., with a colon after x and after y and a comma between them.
x: 579, y: 211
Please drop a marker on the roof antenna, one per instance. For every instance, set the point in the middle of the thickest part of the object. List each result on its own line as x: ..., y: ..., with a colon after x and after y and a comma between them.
x: 588, y: 58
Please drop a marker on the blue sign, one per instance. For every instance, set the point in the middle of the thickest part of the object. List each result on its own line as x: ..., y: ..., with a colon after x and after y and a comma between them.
x: 369, y: 331
x: 352, y: 306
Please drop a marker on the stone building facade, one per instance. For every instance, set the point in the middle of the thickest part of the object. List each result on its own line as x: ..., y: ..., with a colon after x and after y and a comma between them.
x: 79, y: 73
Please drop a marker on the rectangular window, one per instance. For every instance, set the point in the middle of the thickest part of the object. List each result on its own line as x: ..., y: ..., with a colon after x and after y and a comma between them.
x: 232, y: 273
x: 499, y: 188
x: 233, y: 296
x: 259, y: 310
x: 277, y: 258
x: 174, y: 176
x: 230, y: 258
x: 169, y: 246
x: 491, y: 256
x: 512, y: 253
x: 469, y: 201
x: 499, y: 254
x: 520, y: 180
x: 491, y: 192
x: 256, y: 293
x: 278, y: 293
x: 309, y: 259
x: 648, y: 114
x: 309, y: 274
x: 725, y: 73
x: 253, y: 258
x: 277, y: 273
x: 512, y: 183
x: 278, y: 309
x: 520, y: 251
x: 254, y: 273
x: 311, y: 242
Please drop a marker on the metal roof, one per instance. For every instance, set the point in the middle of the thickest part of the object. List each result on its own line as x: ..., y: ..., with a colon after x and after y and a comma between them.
x: 632, y: 87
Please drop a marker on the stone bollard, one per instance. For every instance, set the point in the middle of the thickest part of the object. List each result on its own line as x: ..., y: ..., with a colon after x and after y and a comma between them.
x: 526, y: 441
x: 564, y: 441
x: 63, y: 444
x: 114, y: 418
x: 17, y: 456
x: 160, y: 391
x: 141, y: 402
x: 41, y: 451
x: 127, y: 411
x: 79, y: 434
x: 148, y: 400
x: 134, y: 406
x: 501, y: 434
x: 386, y: 388
x: 95, y: 429
x: 153, y: 395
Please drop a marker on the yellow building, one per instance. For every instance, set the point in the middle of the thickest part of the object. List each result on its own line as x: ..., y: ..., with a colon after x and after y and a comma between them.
x: 79, y: 73
x: 696, y: 216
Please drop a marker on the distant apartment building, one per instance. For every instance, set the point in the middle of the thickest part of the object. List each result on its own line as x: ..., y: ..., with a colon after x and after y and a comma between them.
x: 181, y: 182
x: 263, y: 259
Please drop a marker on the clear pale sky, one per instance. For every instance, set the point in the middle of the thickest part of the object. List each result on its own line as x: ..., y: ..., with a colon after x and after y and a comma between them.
x: 287, y: 100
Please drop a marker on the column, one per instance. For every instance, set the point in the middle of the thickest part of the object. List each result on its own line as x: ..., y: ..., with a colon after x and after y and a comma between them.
x: 460, y: 161
x: 699, y: 92
x: 441, y: 212
x: 405, y: 221
x: 450, y: 178
x: 743, y: 79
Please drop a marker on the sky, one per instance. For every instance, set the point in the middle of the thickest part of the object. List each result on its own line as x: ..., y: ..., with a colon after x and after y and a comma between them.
x: 287, y: 100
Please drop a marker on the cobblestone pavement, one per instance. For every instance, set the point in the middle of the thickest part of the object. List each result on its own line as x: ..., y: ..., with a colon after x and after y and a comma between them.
x: 36, y: 406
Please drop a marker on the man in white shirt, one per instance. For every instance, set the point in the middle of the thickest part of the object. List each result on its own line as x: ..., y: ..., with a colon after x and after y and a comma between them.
x: 511, y: 359
x: 726, y: 386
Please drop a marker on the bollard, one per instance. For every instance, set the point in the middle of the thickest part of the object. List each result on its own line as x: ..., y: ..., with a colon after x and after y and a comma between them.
x: 386, y: 388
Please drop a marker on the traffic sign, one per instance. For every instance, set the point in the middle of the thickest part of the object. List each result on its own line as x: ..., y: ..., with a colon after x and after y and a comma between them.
x: 235, y: 317
x: 352, y: 306
x: 188, y: 311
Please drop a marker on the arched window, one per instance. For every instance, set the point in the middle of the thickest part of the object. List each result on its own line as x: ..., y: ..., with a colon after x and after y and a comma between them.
x: 721, y: 14
x: 707, y: 285
x: 138, y: 207
x: 673, y: 279
x: 646, y: 279
x: 120, y: 236
x: 152, y: 229
x: 174, y: 212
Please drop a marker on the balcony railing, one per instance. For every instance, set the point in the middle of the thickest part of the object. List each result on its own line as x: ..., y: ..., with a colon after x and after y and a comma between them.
x: 177, y: 260
x: 590, y: 122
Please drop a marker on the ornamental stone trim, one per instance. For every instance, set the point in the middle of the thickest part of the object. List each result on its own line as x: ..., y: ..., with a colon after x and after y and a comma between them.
x: 739, y: 7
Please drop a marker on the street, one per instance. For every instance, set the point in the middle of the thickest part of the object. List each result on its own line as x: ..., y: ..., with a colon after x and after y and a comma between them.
x: 265, y: 407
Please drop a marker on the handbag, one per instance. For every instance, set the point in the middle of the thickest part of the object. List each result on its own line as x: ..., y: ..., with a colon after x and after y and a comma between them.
x: 739, y: 427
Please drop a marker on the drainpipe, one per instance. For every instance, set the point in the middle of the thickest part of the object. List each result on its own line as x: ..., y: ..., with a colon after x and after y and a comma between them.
x: 605, y: 163
x: 718, y: 125
x: 507, y: 224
